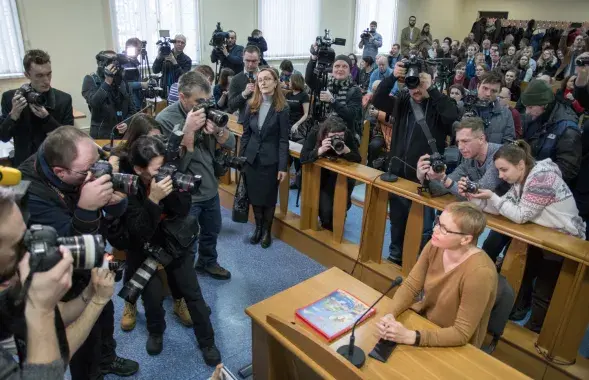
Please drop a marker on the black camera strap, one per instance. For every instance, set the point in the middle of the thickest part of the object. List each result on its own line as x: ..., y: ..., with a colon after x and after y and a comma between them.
x: 420, y: 119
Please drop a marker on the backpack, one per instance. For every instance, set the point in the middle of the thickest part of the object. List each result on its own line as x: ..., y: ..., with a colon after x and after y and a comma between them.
x: 550, y: 137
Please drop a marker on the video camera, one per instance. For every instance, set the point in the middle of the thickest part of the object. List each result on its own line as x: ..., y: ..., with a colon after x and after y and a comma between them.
x: 118, y: 60
x: 31, y: 96
x: 125, y: 183
x: 219, y: 37
x: 153, y: 90
x: 416, y: 66
x: 366, y: 34
x: 325, y: 54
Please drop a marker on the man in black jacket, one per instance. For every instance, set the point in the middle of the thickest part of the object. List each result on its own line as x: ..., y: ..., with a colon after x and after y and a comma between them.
x: 257, y: 39
x: 243, y: 83
x: 230, y: 55
x: 108, y: 97
x: 582, y: 83
x: 409, y: 141
x: 64, y: 195
x: 28, y: 124
x: 174, y: 64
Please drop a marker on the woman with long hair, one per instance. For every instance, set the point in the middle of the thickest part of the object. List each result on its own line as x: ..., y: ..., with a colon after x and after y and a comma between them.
x: 507, y: 61
x: 140, y: 125
x: 264, y: 144
x: 481, y: 69
x: 425, y: 39
x: 354, y: 70
x: 547, y: 63
x: 538, y: 194
x: 512, y: 83
x: 221, y: 89
x: 367, y: 66
x: 525, y: 71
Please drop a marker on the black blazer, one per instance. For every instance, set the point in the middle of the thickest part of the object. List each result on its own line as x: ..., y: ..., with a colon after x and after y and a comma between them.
x: 271, y: 142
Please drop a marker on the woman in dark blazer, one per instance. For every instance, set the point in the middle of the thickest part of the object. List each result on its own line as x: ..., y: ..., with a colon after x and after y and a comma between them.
x: 264, y: 144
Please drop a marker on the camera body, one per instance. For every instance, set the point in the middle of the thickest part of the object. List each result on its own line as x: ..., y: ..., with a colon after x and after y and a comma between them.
x: 219, y: 37
x: 414, y: 66
x: 337, y: 142
x: 182, y: 182
x: 153, y: 90
x: 437, y: 162
x: 125, y: 183
x: 366, y: 34
x: 583, y: 61
x: 32, y: 96
x: 43, y: 243
x: 471, y: 187
x: 117, y: 61
x: 165, y: 48
x: 213, y: 114
x: 224, y: 160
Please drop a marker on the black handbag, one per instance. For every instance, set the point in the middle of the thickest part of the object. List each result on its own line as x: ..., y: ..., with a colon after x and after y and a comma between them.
x: 179, y: 234
x: 241, y: 202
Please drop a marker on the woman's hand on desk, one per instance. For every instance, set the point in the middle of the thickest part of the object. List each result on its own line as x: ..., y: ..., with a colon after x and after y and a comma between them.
x: 391, y: 329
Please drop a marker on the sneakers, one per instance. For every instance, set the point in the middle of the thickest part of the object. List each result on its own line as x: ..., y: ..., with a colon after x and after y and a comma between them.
x: 155, y: 344
x: 215, y: 271
x: 181, y: 310
x: 121, y: 367
x: 211, y: 355
x: 129, y: 317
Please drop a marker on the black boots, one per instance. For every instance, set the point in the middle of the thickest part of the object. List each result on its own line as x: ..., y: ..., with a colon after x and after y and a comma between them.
x: 267, y: 227
x: 259, y: 215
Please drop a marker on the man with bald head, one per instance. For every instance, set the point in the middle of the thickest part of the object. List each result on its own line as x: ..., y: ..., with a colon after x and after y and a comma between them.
x: 176, y: 63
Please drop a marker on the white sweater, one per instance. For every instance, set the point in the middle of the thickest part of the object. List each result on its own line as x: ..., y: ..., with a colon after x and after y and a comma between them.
x: 545, y: 200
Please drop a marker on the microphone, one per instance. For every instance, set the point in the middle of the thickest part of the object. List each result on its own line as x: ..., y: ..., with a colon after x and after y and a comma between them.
x: 352, y: 353
x: 108, y: 147
x: 389, y: 176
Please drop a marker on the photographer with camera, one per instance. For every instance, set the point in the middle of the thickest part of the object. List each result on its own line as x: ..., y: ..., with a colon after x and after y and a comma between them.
x: 108, y: 96
x: 331, y: 140
x: 243, y: 83
x: 201, y: 135
x: 370, y: 41
x: 229, y: 54
x: 409, y: 142
x: 35, y: 109
x: 153, y: 215
x: 133, y: 48
x: 476, y: 170
x: 173, y: 62
x: 264, y: 144
x: 65, y: 195
x: 257, y: 40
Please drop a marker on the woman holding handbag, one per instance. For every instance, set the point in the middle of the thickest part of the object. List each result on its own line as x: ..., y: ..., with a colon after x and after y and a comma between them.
x: 264, y: 144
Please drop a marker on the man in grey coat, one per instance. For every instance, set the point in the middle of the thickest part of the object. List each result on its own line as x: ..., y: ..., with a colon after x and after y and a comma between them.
x: 409, y: 36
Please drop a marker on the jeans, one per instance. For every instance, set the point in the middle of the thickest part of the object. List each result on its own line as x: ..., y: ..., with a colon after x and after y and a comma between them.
x: 208, y: 214
x: 98, y: 350
x: 398, y: 213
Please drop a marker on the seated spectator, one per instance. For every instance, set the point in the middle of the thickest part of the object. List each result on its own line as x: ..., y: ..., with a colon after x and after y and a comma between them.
x: 512, y: 83
x: 319, y: 145
x: 565, y: 95
x: 481, y: 59
x: 445, y: 50
x: 538, y: 194
x: 481, y: 69
x: 205, y: 70
x: 581, y: 88
x: 547, y: 63
x: 476, y: 165
x: 528, y: 52
x: 495, y: 63
x: 505, y: 99
x: 560, y: 73
x: 460, y: 76
x: 366, y: 68
x: 395, y: 55
x: 570, y: 54
x: 457, y: 92
x: 460, y: 280
x: 381, y: 73
x: 525, y: 71
x: 221, y: 89
x: 286, y: 70
x: 432, y: 50
x: 355, y: 70
x: 508, y: 60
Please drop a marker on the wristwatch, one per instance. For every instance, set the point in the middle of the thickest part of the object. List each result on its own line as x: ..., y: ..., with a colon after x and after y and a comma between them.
x: 417, y: 338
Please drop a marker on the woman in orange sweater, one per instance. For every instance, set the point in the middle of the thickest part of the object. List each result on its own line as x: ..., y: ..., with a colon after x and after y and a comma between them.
x: 458, y: 281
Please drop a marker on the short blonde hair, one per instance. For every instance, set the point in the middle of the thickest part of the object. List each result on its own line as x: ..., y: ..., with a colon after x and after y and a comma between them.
x: 469, y: 219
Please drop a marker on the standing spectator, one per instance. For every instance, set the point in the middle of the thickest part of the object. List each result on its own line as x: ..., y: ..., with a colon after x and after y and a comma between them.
x: 570, y: 54
x: 481, y: 69
x: 355, y: 71
x: 409, y: 37
x: 221, y: 90
x: 445, y: 50
x: 243, y: 83
x: 257, y: 39
x: 264, y: 144
x: 372, y: 43
x: 174, y: 64
x: 231, y: 55
x: 425, y: 38
x: 477, y: 32
x: 394, y: 55
x: 457, y: 92
x: 460, y: 75
x: 286, y: 70
x: 525, y: 71
x: 367, y: 64
x: 132, y: 51
x: 565, y: 95
x: 512, y: 83
x: 528, y: 52
x: 382, y: 72
x: 505, y: 98
x: 298, y: 102
x: 28, y: 124
x: 470, y: 61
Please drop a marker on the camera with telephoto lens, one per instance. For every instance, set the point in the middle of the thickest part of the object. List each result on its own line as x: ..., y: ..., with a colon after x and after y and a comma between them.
x: 223, y: 161
x: 133, y: 288
x: 437, y: 162
x: 125, y: 183
x: 219, y: 118
x: 172, y: 143
x: 582, y: 61
x: 32, y: 96
x: 182, y: 182
x: 414, y: 66
x: 43, y: 243
x: 219, y: 37
x: 337, y: 143
x: 471, y: 187
x: 325, y: 54
x: 366, y: 34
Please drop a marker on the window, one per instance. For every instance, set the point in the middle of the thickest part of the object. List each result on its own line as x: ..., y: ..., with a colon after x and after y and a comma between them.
x: 11, y: 49
x: 384, y: 12
x: 289, y: 27
x: 145, y: 18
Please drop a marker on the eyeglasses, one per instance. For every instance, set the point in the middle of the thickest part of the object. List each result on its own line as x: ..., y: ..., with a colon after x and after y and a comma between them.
x: 80, y: 173
x: 444, y: 230
x: 264, y: 80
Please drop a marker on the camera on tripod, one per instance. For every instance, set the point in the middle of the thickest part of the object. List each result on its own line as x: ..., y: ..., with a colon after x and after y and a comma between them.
x: 31, y: 96
x: 125, y: 183
x: 219, y: 37
x: 325, y: 54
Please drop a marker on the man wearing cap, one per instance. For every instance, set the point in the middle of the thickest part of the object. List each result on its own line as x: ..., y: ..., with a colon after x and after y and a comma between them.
x: 342, y: 97
x: 551, y: 129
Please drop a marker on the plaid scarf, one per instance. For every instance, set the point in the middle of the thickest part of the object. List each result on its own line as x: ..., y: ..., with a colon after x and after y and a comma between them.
x: 339, y: 89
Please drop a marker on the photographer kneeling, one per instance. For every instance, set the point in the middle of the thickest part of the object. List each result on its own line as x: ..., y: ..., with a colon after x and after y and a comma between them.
x: 38, y: 321
x: 332, y: 140
x: 158, y: 215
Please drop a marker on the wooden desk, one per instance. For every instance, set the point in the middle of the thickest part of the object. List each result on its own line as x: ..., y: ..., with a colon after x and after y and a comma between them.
x: 79, y: 114
x: 274, y: 357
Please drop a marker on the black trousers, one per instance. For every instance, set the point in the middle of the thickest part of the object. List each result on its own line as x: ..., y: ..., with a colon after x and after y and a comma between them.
x: 326, y: 194
x: 375, y: 149
x: 495, y: 243
x: 98, y: 351
x: 398, y: 213
x: 184, y: 274
x: 171, y: 283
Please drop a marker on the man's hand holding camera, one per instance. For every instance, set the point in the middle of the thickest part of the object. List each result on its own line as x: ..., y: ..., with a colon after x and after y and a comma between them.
x: 109, y: 73
x: 18, y: 105
x: 424, y: 170
x: 326, y: 96
x: 103, y: 285
x: 326, y: 147
x: 195, y: 121
x: 95, y: 194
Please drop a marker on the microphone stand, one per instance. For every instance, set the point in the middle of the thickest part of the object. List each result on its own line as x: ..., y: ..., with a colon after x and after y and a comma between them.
x: 350, y: 351
x: 109, y: 147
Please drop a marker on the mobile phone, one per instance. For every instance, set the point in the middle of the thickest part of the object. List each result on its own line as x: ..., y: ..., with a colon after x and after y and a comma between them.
x: 382, y: 350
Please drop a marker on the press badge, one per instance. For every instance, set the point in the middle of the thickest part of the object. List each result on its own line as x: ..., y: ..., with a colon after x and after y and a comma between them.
x: 552, y: 136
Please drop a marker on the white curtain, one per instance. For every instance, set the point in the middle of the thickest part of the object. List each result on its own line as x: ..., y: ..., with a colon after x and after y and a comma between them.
x: 11, y: 48
x: 145, y: 18
x: 384, y: 12
x: 289, y: 27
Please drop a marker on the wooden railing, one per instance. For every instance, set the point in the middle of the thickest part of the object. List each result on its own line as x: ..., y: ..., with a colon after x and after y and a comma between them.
x: 535, y: 354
